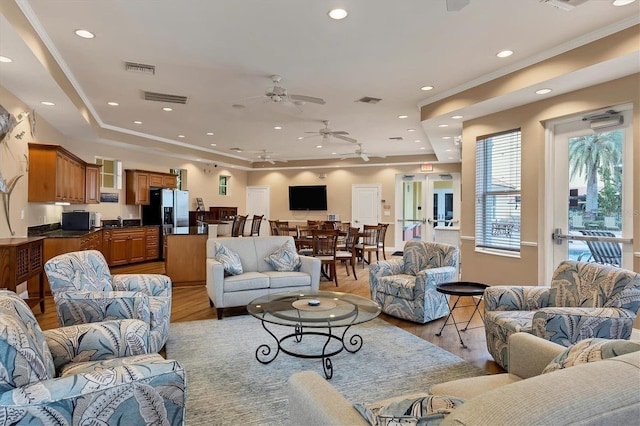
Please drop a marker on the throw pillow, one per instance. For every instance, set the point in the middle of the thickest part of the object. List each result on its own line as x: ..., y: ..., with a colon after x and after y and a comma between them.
x: 285, y: 258
x: 229, y: 259
x: 422, y: 410
x: 590, y: 350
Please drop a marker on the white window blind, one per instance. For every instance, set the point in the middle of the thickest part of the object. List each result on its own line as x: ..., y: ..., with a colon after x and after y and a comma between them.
x: 498, y: 172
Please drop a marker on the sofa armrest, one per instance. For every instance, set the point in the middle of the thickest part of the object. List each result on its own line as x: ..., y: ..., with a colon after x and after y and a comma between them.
x: 515, y: 298
x: 98, y: 341
x: 81, y: 307
x: 215, y: 282
x: 385, y: 268
x: 567, y: 325
x: 311, y: 265
x: 529, y: 355
x: 149, y: 284
x: 313, y: 401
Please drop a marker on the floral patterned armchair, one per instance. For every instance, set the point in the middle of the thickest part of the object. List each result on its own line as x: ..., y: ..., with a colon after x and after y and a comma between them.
x: 84, y: 291
x: 406, y: 288
x: 100, y: 373
x: 585, y: 300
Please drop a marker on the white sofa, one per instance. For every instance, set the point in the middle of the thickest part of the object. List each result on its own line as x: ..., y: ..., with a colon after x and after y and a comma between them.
x: 258, y: 277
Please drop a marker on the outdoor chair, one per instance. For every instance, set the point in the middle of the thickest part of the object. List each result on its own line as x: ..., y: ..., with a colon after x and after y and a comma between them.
x: 84, y: 291
x: 585, y: 300
x: 91, y: 374
x: 406, y: 288
x: 605, y: 252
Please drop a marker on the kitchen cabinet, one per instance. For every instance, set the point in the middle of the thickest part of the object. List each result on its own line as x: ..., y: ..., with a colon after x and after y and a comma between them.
x: 92, y: 184
x: 139, y: 182
x: 55, y: 175
x: 152, y: 235
x: 20, y: 260
x: 123, y: 246
x: 223, y: 213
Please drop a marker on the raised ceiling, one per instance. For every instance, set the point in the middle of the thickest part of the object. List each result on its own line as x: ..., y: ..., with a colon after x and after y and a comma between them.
x: 223, y: 53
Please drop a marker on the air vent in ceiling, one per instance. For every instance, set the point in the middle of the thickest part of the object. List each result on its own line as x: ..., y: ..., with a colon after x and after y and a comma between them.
x: 369, y: 100
x: 139, y: 68
x: 396, y: 138
x: 565, y: 5
x: 164, y: 97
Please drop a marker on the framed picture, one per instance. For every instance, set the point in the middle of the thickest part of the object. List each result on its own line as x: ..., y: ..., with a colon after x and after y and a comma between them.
x: 200, y: 204
x: 108, y: 197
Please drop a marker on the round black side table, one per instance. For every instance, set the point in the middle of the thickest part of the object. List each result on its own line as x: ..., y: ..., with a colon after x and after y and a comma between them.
x: 461, y: 289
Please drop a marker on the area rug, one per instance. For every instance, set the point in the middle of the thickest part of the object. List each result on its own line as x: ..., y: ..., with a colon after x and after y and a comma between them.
x: 226, y: 385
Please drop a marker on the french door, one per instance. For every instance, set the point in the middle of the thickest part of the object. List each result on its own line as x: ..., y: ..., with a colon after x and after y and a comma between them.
x: 590, y: 180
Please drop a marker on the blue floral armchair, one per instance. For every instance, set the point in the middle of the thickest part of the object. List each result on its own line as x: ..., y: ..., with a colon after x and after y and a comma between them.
x: 406, y: 288
x: 585, y: 300
x: 99, y: 374
x: 84, y: 291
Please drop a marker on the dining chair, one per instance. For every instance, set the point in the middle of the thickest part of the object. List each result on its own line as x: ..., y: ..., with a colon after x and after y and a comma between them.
x: 304, y: 239
x: 348, y: 252
x: 255, y: 225
x: 273, y: 227
x: 381, y: 236
x: 324, y: 248
x: 237, y: 227
x: 282, y: 228
x: 368, y: 242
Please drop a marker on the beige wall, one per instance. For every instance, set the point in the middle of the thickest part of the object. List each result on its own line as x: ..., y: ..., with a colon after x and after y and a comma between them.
x: 528, y: 268
x: 339, y: 182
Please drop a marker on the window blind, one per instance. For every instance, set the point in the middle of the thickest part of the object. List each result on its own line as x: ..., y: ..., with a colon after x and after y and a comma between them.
x: 498, y: 175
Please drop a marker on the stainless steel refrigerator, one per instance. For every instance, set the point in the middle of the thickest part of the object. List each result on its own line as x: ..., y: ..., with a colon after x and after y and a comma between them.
x: 167, y: 207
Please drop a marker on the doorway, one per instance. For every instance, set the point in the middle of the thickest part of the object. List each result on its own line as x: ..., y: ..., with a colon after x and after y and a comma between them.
x: 427, y: 205
x: 365, y: 205
x: 590, y: 180
x: 258, y: 203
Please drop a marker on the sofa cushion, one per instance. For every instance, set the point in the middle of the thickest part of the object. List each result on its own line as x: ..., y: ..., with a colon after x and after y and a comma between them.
x: 246, y: 281
x: 229, y: 259
x: 285, y: 258
x: 419, y: 410
x: 591, y: 350
x: 288, y: 279
x: 472, y: 386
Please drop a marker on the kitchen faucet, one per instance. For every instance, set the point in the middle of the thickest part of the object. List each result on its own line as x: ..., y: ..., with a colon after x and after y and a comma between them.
x: 120, y: 222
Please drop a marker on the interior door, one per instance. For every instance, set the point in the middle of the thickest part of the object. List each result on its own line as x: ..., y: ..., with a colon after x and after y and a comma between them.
x: 258, y: 203
x: 365, y: 205
x: 591, y: 178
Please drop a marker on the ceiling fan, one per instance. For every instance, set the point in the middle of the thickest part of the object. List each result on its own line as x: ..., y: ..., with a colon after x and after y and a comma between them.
x: 278, y: 94
x: 326, y: 133
x: 360, y: 153
x: 263, y: 155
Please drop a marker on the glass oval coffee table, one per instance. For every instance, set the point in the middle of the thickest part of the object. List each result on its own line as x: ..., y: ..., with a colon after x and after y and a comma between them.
x: 324, y: 315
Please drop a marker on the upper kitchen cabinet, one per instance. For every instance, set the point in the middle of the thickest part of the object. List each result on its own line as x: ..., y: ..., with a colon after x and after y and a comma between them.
x: 55, y: 175
x: 139, y: 182
x: 92, y: 183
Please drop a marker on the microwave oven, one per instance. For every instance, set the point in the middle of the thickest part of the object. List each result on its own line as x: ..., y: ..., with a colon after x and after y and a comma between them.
x: 78, y: 221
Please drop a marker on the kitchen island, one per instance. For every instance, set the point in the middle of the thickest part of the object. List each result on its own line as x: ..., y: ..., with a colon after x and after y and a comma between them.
x: 185, y: 253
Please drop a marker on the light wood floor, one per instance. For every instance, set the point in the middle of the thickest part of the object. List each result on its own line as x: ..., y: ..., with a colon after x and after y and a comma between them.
x: 192, y: 303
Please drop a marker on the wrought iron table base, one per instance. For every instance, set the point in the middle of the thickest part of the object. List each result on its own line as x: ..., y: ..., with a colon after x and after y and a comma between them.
x: 455, y: 324
x: 353, y: 345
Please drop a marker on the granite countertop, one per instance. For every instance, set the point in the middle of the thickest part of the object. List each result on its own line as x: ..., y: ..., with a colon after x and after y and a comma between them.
x: 55, y: 231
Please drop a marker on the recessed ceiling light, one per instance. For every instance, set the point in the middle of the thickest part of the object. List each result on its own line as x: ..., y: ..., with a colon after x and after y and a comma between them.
x: 47, y: 103
x: 448, y: 150
x: 443, y: 125
x: 425, y: 88
x: 422, y: 147
x: 504, y: 53
x: 167, y: 109
x: 209, y: 133
x: 5, y: 59
x: 334, y: 153
x: 337, y: 14
x: 113, y: 103
x: 452, y: 158
x: 300, y: 138
x: 318, y: 146
x: 446, y: 137
x: 403, y: 116
x: 417, y: 140
x: 181, y: 136
x: 84, y: 34
x: 542, y: 91
x: 277, y: 127
x: 213, y: 144
x: 456, y: 117
x: 137, y: 122
x: 411, y: 130
x: 622, y: 2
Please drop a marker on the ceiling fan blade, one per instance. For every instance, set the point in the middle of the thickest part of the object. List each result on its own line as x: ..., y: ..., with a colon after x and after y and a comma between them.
x: 307, y: 99
x: 456, y: 5
x: 313, y: 132
x: 364, y: 156
x: 345, y: 138
x: 339, y: 132
x: 269, y: 160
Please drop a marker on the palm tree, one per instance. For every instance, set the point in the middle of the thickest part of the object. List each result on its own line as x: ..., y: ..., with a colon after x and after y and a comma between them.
x: 589, y: 153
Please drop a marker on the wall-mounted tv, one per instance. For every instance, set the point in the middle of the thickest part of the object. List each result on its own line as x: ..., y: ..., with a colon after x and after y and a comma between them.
x: 310, y: 197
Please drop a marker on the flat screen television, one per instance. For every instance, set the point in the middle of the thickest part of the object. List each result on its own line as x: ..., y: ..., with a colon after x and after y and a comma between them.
x: 310, y: 197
